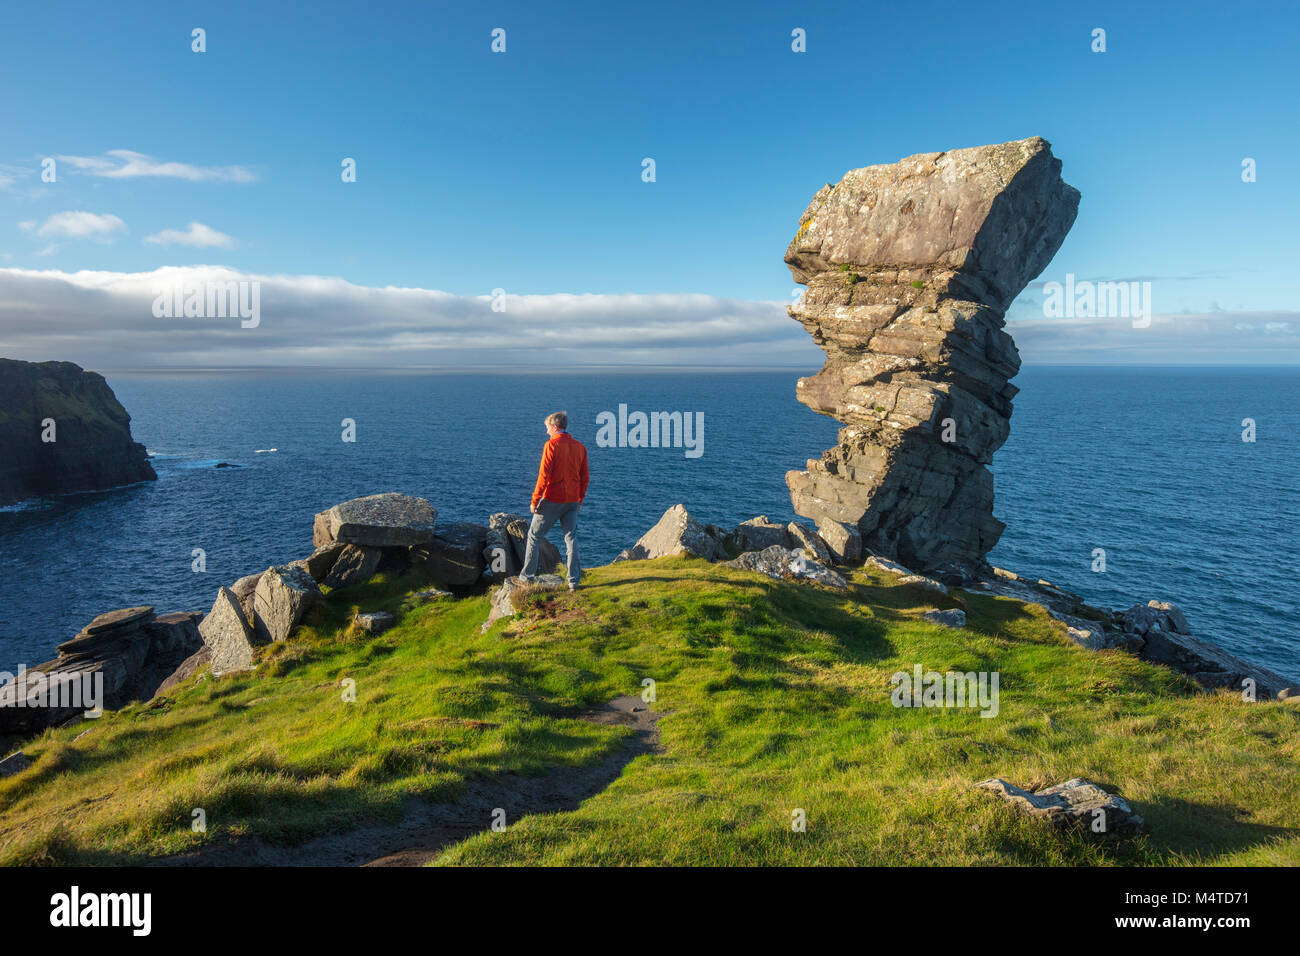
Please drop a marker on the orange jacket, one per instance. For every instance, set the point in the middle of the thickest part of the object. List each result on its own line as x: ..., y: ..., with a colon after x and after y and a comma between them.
x: 563, y: 474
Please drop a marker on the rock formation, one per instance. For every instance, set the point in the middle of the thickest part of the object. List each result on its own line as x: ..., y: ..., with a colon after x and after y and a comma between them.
x: 91, y: 446
x: 124, y: 655
x: 910, y: 268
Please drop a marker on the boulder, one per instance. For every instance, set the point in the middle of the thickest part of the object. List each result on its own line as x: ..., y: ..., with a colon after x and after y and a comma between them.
x: 499, y: 554
x: 760, y: 533
x: 227, y: 635
x: 321, y: 561
x: 512, y: 532
x: 910, y: 268
x: 375, y: 622
x: 1078, y: 805
x: 284, y: 595
x: 845, y: 541
x: 953, y: 617
x: 802, y: 536
x: 377, y: 521
x: 678, y: 533
x: 353, y: 565
x: 505, y: 597
x: 245, y: 592
x: 455, y: 557
x: 785, y: 564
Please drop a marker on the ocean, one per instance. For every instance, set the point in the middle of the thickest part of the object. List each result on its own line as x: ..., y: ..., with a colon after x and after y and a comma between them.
x: 1147, y: 464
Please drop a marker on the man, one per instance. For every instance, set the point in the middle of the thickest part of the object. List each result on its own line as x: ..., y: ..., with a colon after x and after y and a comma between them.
x: 561, y: 486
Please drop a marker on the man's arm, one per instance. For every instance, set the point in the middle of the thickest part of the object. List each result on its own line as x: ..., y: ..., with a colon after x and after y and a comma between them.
x: 543, y: 473
x: 583, y: 476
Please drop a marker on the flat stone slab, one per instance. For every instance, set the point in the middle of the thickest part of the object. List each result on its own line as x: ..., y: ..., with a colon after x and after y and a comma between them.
x: 1077, y: 805
x: 112, y: 620
x: 379, y: 521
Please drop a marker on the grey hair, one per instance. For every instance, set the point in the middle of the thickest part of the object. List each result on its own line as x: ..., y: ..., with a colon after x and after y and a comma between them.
x: 559, y: 419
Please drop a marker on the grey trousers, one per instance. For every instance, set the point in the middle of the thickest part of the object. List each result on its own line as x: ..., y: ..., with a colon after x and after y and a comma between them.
x: 549, y: 512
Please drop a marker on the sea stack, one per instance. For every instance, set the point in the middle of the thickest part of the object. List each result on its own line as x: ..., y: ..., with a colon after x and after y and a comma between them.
x: 910, y: 268
x: 62, y: 430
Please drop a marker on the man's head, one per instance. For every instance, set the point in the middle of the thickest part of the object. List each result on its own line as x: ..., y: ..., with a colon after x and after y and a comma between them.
x: 557, y: 422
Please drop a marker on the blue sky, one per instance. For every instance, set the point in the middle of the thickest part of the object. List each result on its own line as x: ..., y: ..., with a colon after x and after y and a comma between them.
x: 522, y: 170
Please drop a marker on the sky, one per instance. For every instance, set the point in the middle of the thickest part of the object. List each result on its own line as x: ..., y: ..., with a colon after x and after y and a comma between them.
x: 516, y: 178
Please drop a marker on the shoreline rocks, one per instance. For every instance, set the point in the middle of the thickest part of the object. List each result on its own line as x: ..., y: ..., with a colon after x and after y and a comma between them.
x: 63, y: 430
x: 120, y: 656
x: 910, y: 268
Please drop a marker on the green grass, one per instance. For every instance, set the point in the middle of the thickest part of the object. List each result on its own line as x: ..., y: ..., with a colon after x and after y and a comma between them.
x: 775, y: 697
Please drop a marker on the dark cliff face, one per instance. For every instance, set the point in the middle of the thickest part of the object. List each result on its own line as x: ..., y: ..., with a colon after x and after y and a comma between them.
x: 92, y: 447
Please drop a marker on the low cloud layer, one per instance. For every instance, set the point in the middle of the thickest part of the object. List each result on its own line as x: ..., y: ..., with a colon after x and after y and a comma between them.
x: 107, y: 320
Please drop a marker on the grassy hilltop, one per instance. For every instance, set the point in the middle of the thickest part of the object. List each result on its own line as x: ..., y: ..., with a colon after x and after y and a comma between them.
x: 771, y: 697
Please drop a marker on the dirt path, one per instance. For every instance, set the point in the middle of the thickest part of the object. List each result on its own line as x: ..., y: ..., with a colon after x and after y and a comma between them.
x: 427, y: 829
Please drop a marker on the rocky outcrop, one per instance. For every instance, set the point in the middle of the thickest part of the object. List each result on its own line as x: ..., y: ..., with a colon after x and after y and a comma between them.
x: 118, y: 657
x: 91, y: 448
x: 1156, y: 631
x: 1078, y: 805
x: 910, y: 268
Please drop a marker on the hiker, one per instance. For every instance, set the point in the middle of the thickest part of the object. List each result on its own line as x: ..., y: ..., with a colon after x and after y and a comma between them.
x: 561, y: 486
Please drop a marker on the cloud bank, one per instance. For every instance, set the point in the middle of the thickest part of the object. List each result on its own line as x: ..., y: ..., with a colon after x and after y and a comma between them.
x: 107, y: 320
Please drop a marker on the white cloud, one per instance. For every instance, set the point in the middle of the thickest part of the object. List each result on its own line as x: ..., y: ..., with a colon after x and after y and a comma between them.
x: 76, y: 225
x: 126, y: 164
x: 1209, y: 338
x: 106, y: 319
x: 195, y: 234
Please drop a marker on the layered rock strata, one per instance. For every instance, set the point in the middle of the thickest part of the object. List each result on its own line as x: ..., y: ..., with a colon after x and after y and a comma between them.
x: 910, y: 268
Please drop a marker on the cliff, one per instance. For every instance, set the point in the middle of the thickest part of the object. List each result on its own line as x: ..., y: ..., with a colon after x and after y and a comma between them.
x: 910, y: 268
x: 91, y: 446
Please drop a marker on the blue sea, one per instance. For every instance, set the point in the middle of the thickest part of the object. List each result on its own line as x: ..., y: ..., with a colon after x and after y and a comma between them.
x: 1147, y: 464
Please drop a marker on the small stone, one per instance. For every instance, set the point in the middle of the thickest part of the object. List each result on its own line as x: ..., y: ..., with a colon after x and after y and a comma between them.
x: 953, y: 617
x: 375, y: 622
